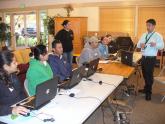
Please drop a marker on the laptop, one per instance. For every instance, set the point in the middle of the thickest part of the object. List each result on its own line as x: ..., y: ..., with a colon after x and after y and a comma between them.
x: 127, y: 57
x: 45, y: 92
x: 76, y: 77
x: 91, y: 68
x: 114, y: 57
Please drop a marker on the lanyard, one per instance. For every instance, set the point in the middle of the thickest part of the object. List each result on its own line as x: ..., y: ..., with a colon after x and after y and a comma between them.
x: 147, y: 39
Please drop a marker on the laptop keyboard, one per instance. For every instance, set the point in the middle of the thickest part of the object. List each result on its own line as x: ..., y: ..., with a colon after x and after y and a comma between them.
x: 29, y: 102
x: 65, y: 84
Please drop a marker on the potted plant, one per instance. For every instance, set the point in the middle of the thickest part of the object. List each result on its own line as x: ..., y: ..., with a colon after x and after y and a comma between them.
x: 49, y: 23
x: 49, y: 27
x: 68, y: 9
x: 5, y: 35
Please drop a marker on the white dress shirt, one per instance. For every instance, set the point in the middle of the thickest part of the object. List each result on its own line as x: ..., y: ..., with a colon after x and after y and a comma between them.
x: 151, y: 51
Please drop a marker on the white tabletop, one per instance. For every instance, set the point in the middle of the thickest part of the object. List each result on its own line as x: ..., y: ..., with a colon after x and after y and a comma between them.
x: 69, y: 110
x: 137, y: 56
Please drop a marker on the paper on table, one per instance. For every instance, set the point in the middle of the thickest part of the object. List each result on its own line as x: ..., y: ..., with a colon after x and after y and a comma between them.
x: 104, y: 61
x: 67, y: 92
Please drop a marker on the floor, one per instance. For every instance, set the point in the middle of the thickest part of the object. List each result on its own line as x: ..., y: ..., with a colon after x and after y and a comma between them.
x: 143, y: 112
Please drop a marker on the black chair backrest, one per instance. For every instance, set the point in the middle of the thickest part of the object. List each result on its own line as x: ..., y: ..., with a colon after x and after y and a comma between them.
x: 112, y: 47
x: 125, y: 43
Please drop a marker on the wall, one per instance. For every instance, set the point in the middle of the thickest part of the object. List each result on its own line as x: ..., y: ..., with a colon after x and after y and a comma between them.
x: 91, y: 12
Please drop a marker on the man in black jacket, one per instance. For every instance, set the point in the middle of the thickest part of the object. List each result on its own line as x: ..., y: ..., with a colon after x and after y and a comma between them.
x: 66, y: 37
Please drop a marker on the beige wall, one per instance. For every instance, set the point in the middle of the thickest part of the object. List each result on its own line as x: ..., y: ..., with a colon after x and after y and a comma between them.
x: 91, y: 12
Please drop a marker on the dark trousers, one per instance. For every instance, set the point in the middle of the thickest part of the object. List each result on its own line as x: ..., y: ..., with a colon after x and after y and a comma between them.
x: 68, y: 56
x: 148, y: 64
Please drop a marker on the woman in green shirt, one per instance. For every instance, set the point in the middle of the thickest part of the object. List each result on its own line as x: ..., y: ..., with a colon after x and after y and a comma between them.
x: 39, y: 70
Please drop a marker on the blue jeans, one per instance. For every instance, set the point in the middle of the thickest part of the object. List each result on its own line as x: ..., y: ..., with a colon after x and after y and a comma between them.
x: 68, y: 56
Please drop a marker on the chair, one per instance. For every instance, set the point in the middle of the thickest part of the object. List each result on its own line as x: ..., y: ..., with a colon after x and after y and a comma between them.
x: 26, y: 87
x: 160, y: 57
x: 161, y: 79
x: 125, y: 43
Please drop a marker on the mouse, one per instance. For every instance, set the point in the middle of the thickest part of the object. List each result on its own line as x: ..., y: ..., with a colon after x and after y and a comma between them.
x: 25, y: 115
x: 100, y: 82
x: 47, y: 120
x: 71, y: 94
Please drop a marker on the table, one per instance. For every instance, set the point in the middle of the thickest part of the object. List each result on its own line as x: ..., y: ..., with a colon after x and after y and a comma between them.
x: 117, y: 68
x: 69, y: 110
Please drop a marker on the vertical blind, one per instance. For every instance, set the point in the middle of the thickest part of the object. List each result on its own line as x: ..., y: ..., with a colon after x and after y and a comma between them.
x: 158, y: 13
x: 118, y: 20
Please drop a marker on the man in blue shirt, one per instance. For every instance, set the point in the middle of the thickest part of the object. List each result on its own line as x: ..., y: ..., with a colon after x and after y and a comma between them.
x: 58, y: 63
x: 103, y: 48
x: 149, y: 43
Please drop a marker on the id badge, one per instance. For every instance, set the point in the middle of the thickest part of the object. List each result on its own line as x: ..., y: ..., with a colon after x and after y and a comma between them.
x: 11, y: 89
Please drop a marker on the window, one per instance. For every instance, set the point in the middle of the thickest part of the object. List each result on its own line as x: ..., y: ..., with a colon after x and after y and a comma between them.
x: 7, y: 21
x: 25, y: 29
x: 43, y: 27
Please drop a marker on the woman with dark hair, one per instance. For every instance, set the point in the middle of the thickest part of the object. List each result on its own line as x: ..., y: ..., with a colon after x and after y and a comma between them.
x: 66, y: 37
x: 39, y: 70
x: 10, y: 90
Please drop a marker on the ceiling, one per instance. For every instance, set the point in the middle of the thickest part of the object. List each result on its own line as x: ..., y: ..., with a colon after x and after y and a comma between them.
x: 10, y: 4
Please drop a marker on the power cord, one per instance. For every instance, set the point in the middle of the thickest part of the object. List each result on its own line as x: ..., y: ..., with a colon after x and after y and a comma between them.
x: 50, y: 119
x: 72, y: 95
x: 117, y: 105
x: 115, y: 98
x: 100, y: 82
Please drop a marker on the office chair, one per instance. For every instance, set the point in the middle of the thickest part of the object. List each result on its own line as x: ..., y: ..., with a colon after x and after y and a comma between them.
x: 125, y: 43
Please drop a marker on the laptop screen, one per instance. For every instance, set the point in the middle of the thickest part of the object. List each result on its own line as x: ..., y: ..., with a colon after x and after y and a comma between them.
x: 127, y: 57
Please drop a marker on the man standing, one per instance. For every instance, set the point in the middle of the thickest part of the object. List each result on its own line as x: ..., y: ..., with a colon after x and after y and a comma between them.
x: 150, y: 43
x: 66, y: 37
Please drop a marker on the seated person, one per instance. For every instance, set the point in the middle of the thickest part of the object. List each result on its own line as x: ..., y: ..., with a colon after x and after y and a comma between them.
x: 58, y: 63
x: 90, y: 51
x: 112, y: 46
x: 39, y: 70
x: 109, y: 38
x: 103, y: 47
x: 10, y: 89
